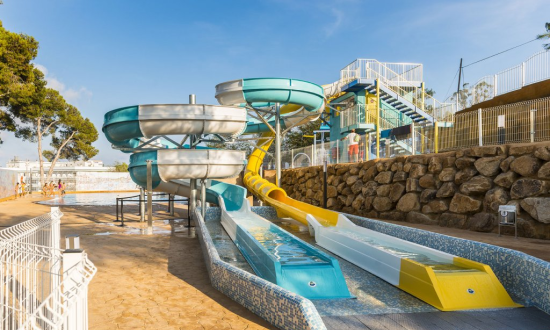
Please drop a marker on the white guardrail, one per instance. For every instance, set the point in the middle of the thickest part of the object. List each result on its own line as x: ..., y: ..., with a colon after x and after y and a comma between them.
x: 42, y: 286
x: 536, y: 68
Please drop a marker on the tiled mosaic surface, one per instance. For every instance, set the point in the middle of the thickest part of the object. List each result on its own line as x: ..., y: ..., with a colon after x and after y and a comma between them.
x: 278, y: 306
x: 526, y: 278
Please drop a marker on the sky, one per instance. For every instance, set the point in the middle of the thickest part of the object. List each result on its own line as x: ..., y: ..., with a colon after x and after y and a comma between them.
x: 102, y: 55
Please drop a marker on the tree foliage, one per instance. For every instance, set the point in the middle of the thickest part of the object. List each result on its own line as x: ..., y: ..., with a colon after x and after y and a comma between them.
x: 121, y: 167
x: 545, y: 36
x: 34, y: 111
x: 299, y: 136
x: 16, y: 72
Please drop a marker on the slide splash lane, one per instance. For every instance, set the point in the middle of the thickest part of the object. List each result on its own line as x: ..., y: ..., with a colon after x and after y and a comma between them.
x: 273, y: 253
x: 445, y: 281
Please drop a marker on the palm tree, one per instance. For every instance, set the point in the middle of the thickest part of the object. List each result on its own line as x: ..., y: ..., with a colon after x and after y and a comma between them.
x: 545, y: 36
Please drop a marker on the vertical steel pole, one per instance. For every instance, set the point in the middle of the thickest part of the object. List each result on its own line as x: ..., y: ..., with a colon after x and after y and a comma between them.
x: 292, y: 158
x: 368, y: 146
x: 203, y: 198
x: 423, y: 97
x: 532, y: 114
x: 193, y: 182
x: 325, y: 184
x: 277, y: 144
x: 171, y: 197
x: 141, y: 204
x: 149, y: 197
x: 413, y: 142
x: 436, y: 137
x: 377, y: 118
x: 480, y: 126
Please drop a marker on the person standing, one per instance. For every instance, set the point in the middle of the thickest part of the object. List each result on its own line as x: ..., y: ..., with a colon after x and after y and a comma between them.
x: 16, y: 189
x: 353, y: 145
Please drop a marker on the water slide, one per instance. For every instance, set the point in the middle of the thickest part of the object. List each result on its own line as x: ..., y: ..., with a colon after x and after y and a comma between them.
x: 273, y: 253
x: 445, y: 281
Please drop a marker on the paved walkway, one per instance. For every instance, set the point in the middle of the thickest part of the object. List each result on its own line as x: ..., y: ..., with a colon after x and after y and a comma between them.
x: 142, y: 282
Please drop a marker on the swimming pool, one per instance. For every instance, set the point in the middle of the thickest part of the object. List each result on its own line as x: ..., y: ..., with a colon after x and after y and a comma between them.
x: 97, y: 199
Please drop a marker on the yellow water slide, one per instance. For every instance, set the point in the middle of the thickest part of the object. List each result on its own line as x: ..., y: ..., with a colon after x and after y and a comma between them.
x: 442, y: 280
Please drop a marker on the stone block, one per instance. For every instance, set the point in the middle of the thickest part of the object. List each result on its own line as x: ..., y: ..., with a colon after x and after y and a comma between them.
x: 369, y: 189
x: 521, y: 149
x: 400, y: 176
x: 392, y: 215
x: 331, y: 192
x: 383, y: 190
x: 371, y: 173
x: 464, y: 162
x: 506, y: 180
x: 465, y: 175
x: 412, y: 185
x: 544, y: 171
x: 543, y: 153
x: 384, y: 177
x: 397, y: 190
x: 476, y: 185
x: 538, y: 208
x: 488, y: 166
x: 505, y: 164
x: 427, y: 181
x: 358, y: 202
x: 453, y: 220
x: 447, y: 174
x: 494, y: 198
x: 357, y: 187
x: 435, y: 165
x: 417, y: 170
x: 428, y: 195
x: 486, y: 151
x: 436, y: 206
x: 464, y: 204
x: 382, y: 204
x: 483, y: 222
x: 526, y: 165
x: 417, y: 217
x: 448, y: 189
x: 409, y: 202
x: 523, y: 188
x: 367, y: 204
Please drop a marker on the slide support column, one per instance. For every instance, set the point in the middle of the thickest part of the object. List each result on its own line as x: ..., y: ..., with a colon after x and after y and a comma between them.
x: 141, y: 204
x: 149, y: 197
x: 203, y: 198
x: 193, y: 182
x: 278, y: 144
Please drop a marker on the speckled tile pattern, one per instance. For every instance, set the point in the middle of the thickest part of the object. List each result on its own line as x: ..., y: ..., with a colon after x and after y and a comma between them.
x: 278, y: 306
x: 526, y: 278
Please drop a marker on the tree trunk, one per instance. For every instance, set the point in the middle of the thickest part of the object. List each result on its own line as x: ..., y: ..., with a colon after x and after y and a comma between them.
x: 58, y: 153
x: 40, y: 160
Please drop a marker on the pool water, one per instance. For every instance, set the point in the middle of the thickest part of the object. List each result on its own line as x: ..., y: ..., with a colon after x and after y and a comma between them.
x: 97, y: 199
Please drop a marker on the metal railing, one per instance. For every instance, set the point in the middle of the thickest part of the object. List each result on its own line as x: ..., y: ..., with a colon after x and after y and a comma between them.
x: 536, y: 68
x: 521, y: 122
x: 43, y: 287
x: 372, y: 69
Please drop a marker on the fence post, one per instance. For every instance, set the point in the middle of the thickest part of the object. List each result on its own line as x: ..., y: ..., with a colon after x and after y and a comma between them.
x: 292, y: 158
x: 532, y: 114
x: 436, y: 137
x: 480, y: 126
x: 337, y: 151
x: 73, y: 268
x: 413, y: 139
x: 495, y: 89
x: 149, y: 197
x: 522, y: 74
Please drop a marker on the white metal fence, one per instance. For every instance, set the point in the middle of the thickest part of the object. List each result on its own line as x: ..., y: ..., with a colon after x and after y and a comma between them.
x: 536, y: 68
x: 42, y: 286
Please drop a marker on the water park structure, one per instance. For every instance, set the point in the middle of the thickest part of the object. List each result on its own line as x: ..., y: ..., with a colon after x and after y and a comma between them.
x: 269, y: 107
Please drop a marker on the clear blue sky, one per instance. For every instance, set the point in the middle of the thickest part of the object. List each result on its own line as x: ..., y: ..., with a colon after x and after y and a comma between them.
x: 106, y: 54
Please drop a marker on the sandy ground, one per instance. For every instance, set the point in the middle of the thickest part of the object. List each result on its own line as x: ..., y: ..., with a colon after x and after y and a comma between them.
x: 160, y: 281
x: 143, y: 282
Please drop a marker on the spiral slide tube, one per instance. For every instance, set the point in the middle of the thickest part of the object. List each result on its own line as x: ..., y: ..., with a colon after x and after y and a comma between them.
x: 445, y: 281
x: 273, y: 253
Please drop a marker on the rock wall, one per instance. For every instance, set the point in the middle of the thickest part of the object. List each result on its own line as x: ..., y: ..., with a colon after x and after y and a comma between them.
x: 460, y: 189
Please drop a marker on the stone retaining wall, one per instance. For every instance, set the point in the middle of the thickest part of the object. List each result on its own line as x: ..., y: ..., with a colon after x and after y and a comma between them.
x: 460, y: 189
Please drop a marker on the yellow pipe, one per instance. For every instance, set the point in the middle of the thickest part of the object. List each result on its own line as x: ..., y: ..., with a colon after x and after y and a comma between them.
x: 423, y: 93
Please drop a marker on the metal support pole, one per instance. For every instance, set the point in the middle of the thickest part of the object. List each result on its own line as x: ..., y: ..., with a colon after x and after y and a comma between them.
x: 193, y: 182
x: 368, y: 146
x: 436, y: 137
x: 141, y: 204
x: 203, y: 198
x: 171, y: 203
x: 149, y: 197
x: 413, y: 140
x: 277, y: 144
x: 423, y: 96
x: 377, y: 118
x: 480, y: 126
x: 73, y: 267
x: 292, y: 158
x: 261, y: 173
x: 532, y: 126
x: 325, y: 184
